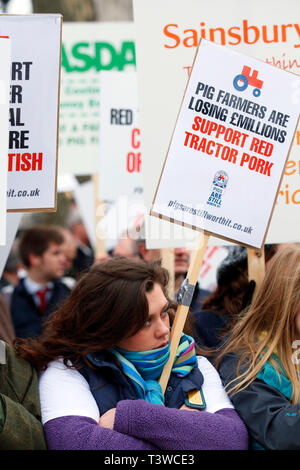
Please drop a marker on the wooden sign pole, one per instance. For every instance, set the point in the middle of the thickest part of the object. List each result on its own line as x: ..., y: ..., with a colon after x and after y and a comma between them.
x: 185, y: 297
x: 100, y: 248
x: 256, y: 267
x: 167, y: 257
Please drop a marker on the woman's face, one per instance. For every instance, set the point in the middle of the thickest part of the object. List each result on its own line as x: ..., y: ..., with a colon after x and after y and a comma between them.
x: 155, y: 333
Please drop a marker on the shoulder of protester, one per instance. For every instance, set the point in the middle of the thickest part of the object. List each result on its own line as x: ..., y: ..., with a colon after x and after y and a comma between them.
x: 15, y: 374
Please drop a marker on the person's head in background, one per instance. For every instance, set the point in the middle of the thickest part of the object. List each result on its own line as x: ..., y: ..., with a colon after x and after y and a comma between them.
x: 85, y: 255
x: 77, y: 227
x: 41, y: 252
x: 132, y: 244
x: 69, y: 248
x: 233, y: 291
x: 136, y: 249
x: 181, y: 265
x: 181, y: 255
x: 271, y: 324
x: 181, y: 260
x: 126, y: 247
x: 12, y: 266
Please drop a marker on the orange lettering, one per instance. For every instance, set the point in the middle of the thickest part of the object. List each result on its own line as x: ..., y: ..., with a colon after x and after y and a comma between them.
x: 171, y: 35
x: 293, y: 197
x: 193, y: 38
x: 234, y: 35
x: 212, y: 35
x: 290, y: 164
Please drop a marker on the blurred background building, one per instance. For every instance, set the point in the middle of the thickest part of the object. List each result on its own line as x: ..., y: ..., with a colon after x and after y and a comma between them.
x: 73, y: 10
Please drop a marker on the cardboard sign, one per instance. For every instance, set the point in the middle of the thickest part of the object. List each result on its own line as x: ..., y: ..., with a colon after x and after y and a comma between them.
x: 167, y: 37
x: 87, y: 50
x: 120, y: 158
x: 33, y: 112
x: 5, y: 55
x: 229, y: 147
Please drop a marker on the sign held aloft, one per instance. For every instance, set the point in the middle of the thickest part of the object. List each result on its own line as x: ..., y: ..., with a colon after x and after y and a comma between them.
x: 229, y: 147
x: 33, y: 110
x: 120, y: 156
x: 5, y: 55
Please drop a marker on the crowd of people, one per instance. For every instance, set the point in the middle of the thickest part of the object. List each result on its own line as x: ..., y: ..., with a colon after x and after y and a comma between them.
x: 84, y: 341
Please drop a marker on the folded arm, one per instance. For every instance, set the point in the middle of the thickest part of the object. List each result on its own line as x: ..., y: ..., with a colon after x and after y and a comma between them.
x: 83, y: 433
x: 172, y: 429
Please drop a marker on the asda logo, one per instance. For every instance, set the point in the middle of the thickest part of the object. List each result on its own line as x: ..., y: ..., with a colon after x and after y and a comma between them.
x: 84, y: 56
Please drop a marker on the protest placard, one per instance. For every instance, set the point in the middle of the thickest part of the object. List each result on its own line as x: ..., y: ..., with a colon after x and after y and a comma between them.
x: 167, y: 36
x: 226, y: 157
x: 88, y: 48
x: 33, y: 111
x: 5, y: 55
x: 120, y: 158
x: 229, y: 147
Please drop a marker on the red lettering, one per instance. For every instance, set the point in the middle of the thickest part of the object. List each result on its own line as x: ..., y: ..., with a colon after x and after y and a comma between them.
x: 25, y: 161
x: 134, y: 162
x: 196, y: 125
x: 135, y: 143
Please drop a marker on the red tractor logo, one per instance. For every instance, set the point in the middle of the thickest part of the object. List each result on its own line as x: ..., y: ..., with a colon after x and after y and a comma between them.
x: 244, y: 79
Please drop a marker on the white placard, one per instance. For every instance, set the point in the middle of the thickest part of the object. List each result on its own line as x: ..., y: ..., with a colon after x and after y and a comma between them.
x: 167, y: 36
x: 12, y: 224
x: 66, y: 183
x: 5, y: 55
x: 84, y: 197
x: 229, y: 146
x: 120, y: 158
x: 33, y: 113
x: 87, y: 50
x: 214, y: 255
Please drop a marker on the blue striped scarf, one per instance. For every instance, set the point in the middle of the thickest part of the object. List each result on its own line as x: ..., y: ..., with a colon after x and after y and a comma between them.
x: 145, y: 367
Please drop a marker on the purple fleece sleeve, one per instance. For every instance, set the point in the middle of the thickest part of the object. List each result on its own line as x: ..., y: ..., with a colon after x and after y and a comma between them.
x: 82, y: 433
x: 172, y: 429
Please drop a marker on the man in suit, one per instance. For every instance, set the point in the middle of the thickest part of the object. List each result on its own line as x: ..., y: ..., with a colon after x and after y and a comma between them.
x: 42, y: 290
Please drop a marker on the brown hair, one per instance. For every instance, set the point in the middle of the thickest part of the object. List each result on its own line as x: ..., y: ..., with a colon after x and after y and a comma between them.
x: 37, y: 239
x: 107, y: 304
x: 268, y: 326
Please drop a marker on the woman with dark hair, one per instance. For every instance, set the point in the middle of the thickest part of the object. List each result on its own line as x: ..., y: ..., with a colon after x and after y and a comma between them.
x: 102, y: 354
